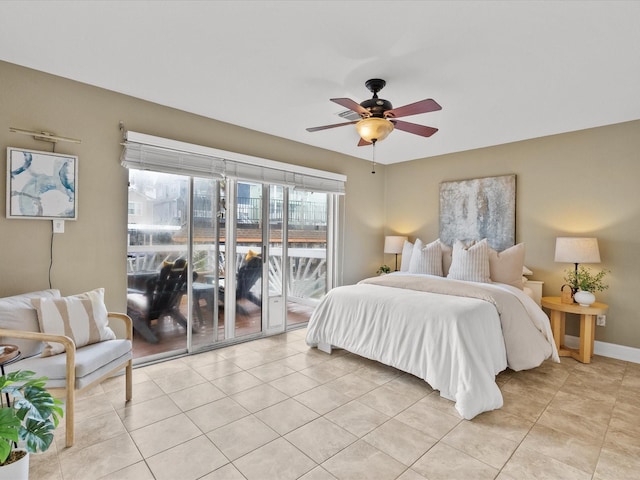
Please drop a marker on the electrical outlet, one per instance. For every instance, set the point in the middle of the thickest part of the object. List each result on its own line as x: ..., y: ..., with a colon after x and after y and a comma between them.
x: 601, y: 320
x: 58, y: 226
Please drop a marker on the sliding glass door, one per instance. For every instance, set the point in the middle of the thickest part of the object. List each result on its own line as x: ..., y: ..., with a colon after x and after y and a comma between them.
x: 207, y: 238
x: 216, y: 261
x: 245, y: 258
x: 307, y: 278
x: 277, y: 278
x: 158, y: 243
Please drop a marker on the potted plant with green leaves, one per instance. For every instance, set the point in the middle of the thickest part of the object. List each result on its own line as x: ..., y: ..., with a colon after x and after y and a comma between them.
x: 384, y: 269
x: 584, y: 283
x: 27, y: 421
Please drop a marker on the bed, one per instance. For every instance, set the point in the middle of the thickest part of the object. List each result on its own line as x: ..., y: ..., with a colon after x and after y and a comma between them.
x: 455, y: 334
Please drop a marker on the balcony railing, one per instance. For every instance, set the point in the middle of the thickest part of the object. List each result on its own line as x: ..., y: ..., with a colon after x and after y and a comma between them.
x: 301, y: 213
x: 307, y: 266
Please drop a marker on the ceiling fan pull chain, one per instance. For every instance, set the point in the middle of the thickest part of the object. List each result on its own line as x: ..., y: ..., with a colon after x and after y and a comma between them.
x: 373, y: 161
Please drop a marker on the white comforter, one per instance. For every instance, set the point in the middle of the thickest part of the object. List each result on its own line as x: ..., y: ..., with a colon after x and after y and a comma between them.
x: 457, y: 344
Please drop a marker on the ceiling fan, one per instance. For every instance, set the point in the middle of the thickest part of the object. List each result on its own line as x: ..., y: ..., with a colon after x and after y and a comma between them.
x: 379, y: 118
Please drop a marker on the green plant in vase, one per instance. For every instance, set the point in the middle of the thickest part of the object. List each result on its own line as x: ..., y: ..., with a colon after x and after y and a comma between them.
x: 583, y: 279
x: 31, y: 417
x: 584, y: 283
x: 383, y: 269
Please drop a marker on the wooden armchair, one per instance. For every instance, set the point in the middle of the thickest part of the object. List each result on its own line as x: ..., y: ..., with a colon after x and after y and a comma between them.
x: 78, y: 368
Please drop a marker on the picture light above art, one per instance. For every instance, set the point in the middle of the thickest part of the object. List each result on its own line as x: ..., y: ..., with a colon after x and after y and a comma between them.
x: 44, y: 136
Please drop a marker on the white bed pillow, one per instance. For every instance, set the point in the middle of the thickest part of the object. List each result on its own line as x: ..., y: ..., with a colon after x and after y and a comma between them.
x: 447, y: 253
x: 507, y: 266
x: 470, y: 263
x: 415, y: 254
x: 407, y: 251
x: 427, y: 260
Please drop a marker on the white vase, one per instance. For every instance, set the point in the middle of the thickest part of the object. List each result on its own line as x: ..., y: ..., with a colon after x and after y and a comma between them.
x: 17, y: 470
x: 584, y: 298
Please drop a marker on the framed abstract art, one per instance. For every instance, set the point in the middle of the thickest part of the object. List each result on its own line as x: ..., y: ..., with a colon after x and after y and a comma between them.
x: 479, y: 208
x: 41, y: 185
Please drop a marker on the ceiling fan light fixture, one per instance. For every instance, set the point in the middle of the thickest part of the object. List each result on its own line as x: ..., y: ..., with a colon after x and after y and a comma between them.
x: 374, y: 129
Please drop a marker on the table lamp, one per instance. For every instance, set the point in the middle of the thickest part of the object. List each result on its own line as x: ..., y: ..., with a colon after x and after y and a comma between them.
x: 394, y: 244
x: 577, y: 250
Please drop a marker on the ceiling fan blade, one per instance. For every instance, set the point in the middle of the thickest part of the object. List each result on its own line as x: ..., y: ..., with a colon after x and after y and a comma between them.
x: 363, y: 143
x: 351, y: 105
x: 325, y: 127
x: 423, y: 106
x: 414, y: 128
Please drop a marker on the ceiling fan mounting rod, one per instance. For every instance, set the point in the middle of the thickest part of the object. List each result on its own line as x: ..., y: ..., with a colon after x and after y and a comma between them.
x: 375, y: 106
x: 375, y: 85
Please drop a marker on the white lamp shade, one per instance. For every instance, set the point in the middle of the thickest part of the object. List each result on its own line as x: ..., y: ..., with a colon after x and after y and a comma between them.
x: 577, y: 250
x: 394, y: 244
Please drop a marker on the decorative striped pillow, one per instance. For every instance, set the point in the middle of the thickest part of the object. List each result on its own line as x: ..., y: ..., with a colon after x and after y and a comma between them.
x: 470, y: 263
x: 82, y: 317
x: 427, y: 259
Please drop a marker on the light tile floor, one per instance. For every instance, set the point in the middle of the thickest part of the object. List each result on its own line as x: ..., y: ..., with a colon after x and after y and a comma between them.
x: 275, y: 409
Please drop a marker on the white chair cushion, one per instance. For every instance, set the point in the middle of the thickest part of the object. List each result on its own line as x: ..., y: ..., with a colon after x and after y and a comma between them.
x: 89, y: 360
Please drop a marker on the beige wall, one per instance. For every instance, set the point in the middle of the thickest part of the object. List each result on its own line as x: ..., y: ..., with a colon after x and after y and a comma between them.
x: 581, y: 183
x: 92, y: 251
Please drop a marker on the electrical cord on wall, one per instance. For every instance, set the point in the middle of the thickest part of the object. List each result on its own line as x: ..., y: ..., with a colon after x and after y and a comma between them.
x: 51, y: 254
x: 53, y: 150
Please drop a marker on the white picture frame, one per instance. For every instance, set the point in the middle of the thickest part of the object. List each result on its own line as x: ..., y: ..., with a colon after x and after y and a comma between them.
x: 41, y: 185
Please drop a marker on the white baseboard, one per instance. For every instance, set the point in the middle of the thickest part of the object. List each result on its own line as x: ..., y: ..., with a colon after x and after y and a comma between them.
x: 611, y: 350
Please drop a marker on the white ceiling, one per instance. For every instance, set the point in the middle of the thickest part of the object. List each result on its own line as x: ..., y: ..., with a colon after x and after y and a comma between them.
x: 502, y: 71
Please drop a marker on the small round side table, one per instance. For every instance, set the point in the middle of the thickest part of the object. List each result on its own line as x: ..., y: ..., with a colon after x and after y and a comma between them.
x: 8, y: 355
x: 587, y: 326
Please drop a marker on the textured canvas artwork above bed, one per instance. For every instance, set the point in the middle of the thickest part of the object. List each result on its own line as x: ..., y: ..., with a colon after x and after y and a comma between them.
x: 479, y: 208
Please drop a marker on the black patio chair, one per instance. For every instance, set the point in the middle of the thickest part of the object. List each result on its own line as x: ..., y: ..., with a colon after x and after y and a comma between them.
x: 161, y: 298
x: 249, y: 273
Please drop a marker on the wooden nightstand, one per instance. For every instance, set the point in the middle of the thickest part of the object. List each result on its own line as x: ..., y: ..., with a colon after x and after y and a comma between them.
x: 536, y: 288
x: 587, y: 326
